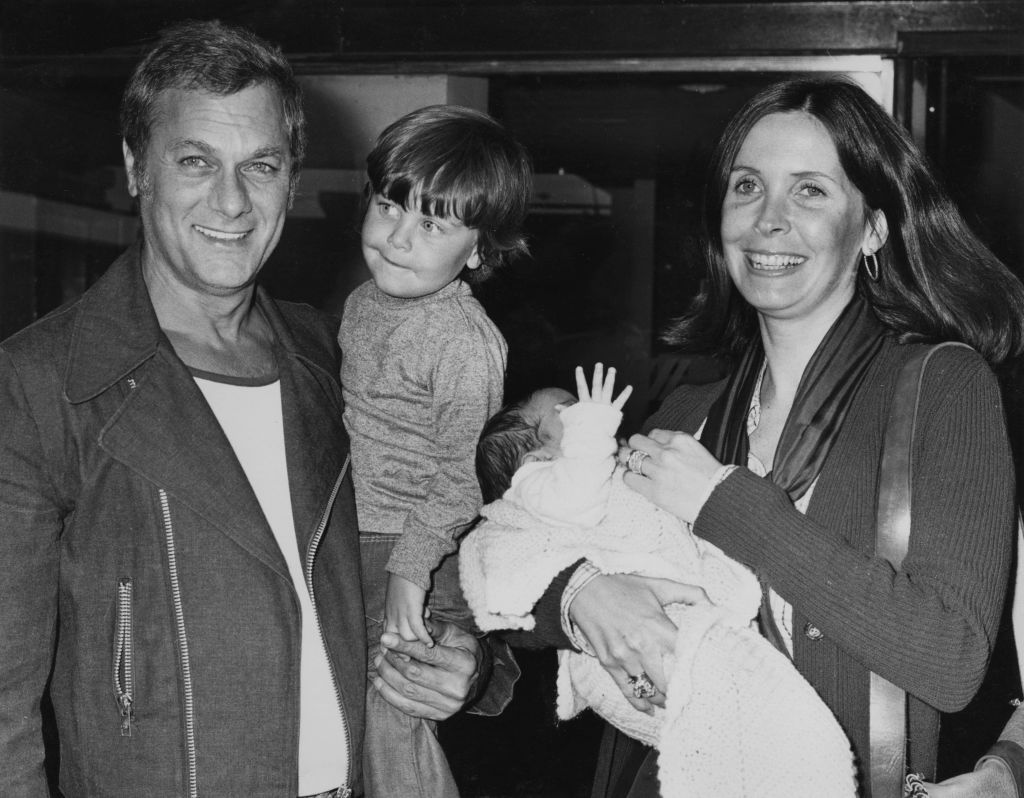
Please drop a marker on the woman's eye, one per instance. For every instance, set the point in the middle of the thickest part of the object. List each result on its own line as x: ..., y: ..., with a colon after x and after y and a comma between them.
x: 746, y: 185
x: 811, y: 190
x: 431, y: 227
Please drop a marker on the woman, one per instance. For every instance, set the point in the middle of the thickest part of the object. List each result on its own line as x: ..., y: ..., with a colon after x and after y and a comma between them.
x: 833, y: 256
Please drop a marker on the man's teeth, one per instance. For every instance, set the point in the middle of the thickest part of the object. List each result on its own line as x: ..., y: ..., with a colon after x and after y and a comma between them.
x: 775, y: 261
x: 221, y: 236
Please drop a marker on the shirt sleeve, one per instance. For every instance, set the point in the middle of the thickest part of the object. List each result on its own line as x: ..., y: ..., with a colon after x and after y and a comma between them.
x: 30, y: 523
x: 467, y: 390
x: 928, y: 627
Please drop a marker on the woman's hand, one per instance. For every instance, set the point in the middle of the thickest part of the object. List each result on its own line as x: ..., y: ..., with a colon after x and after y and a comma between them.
x: 622, y: 617
x: 677, y: 473
x: 992, y: 780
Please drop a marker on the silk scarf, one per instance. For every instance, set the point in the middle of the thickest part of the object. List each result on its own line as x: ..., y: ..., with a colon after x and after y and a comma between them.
x: 823, y: 398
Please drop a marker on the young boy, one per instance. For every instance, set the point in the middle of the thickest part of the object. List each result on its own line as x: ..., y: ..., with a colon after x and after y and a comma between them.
x: 739, y: 719
x: 422, y: 370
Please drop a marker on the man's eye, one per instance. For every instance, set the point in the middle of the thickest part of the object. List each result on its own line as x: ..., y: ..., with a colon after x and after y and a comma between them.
x: 193, y: 162
x: 263, y: 168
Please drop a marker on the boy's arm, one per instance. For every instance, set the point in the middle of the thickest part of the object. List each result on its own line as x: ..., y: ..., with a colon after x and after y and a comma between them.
x: 573, y: 489
x: 467, y: 390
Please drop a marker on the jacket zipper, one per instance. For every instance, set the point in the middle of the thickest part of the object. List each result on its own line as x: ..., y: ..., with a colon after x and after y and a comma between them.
x: 186, y: 666
x: 124, y: 677
x: 345, y: 791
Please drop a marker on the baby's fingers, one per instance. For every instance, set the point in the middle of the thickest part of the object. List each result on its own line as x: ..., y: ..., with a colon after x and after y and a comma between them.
x: 582, y: 390
x: 597, y: 390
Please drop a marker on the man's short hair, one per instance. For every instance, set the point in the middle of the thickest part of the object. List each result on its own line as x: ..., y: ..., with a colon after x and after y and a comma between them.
x: 458, y: 162
x: 213, y: 57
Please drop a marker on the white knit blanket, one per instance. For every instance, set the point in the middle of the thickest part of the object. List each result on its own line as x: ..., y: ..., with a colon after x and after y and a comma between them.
x: 739, y: 719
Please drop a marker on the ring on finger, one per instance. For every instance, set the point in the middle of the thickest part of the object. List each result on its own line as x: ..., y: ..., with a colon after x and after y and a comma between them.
x: 635, y: 461
x: 642, y: 685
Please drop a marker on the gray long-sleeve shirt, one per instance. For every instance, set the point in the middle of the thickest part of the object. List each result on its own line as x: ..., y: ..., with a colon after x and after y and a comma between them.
x: 420, y: 377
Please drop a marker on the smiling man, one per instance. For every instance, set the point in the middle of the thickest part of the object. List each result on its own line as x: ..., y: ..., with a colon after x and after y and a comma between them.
x: 178, y: 546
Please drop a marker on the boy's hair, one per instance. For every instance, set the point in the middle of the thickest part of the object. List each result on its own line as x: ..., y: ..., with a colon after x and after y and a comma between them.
x: 459, y: 162
x: 506, y: 437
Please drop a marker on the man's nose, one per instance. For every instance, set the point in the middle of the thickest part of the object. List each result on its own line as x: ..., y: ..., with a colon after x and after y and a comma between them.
x: 231, y: 195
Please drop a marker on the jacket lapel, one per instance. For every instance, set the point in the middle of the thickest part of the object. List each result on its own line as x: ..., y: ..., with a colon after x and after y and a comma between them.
x: 164, y: 430
x: 167, y: 433
x: 315, y: 440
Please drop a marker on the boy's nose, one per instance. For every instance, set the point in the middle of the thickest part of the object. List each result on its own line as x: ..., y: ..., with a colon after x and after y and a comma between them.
x: 400, y: 236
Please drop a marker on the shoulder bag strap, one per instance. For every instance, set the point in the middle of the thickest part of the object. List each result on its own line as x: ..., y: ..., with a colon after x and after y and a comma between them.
x: 888, y: 713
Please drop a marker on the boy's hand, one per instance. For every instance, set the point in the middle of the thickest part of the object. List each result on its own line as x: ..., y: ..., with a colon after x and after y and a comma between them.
x: 603, y: 387
x: 403, y: 610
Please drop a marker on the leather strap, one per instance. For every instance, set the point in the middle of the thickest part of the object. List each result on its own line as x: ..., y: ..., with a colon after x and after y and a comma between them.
x: 888, y: 713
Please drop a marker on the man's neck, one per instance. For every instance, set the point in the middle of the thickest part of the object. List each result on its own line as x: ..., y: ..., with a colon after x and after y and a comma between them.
x: 220, y: 334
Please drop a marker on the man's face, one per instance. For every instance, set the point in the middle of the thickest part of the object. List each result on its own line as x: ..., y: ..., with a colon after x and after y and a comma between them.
x: 213, y: 188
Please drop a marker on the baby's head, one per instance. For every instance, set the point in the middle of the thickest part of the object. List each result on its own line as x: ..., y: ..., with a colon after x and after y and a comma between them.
x: 448, y: 191
x: 519, y: 433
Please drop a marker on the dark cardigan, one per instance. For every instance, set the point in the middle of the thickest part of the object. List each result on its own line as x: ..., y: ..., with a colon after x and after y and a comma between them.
x: 929, y: 628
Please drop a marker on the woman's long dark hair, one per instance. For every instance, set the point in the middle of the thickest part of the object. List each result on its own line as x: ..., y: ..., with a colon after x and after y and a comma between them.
x: 937, y: 280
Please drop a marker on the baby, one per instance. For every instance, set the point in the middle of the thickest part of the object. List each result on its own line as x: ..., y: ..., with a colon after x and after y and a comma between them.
x: 739, y: 719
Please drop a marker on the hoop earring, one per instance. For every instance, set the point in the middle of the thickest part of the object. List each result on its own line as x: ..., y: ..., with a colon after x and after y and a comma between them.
x: 871, y: 266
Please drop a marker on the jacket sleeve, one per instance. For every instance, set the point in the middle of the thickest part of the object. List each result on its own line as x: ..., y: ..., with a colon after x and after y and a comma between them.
x: 30, y: 523
x: 467, y: 389
x: 929, y: 627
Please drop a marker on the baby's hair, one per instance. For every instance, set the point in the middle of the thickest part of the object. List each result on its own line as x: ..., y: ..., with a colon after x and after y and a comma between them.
x: 506, y: 438
x: 460, y: 163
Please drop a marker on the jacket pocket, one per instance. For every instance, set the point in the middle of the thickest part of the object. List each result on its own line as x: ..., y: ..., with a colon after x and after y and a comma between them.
x: 124, y: 656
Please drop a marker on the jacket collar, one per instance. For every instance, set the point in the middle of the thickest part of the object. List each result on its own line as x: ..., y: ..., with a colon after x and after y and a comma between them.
x: 116, y: 330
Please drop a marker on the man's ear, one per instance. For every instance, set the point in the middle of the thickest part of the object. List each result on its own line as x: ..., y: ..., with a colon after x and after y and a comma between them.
x: 129, y: 167
x: 878, y: 232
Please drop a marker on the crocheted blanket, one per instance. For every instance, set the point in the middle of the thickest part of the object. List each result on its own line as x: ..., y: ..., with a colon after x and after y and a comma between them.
x: 739, y: 719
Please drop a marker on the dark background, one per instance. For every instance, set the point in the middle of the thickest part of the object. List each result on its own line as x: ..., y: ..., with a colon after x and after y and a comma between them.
x: 627, y: 95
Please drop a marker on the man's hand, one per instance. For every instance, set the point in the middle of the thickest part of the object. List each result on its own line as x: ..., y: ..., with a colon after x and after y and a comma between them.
x: 432, y: 682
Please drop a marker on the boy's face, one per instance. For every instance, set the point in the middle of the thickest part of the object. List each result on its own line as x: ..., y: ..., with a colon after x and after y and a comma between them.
x: 543, y: 410
x: 410, y: 254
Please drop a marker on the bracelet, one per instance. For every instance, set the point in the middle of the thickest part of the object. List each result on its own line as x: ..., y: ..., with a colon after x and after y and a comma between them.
x: 579, y: 580
x: 1011, y: 755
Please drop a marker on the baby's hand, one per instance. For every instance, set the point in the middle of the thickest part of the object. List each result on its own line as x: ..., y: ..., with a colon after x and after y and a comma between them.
x: 603, y: 388
x: 403, y: 610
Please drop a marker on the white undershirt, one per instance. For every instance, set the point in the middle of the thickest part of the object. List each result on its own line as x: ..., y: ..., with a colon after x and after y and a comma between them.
x: 250, y: 415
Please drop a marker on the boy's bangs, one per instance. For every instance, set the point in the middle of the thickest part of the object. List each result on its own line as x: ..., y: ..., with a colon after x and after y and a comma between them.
x: 444, y: 195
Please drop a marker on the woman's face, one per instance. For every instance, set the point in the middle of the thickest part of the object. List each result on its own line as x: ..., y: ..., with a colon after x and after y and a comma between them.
x: 793, y: 225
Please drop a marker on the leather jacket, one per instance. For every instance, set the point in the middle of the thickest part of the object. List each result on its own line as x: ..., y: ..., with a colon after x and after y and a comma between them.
x: 139, y: 578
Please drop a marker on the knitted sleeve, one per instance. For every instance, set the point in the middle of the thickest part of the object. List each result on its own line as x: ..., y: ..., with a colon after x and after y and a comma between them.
x: 928, y: 628
x: 572, y: 489
x: 467, y: 383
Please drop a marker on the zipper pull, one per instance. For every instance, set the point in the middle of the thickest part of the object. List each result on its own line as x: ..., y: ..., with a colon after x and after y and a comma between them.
x: 126, y: 716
